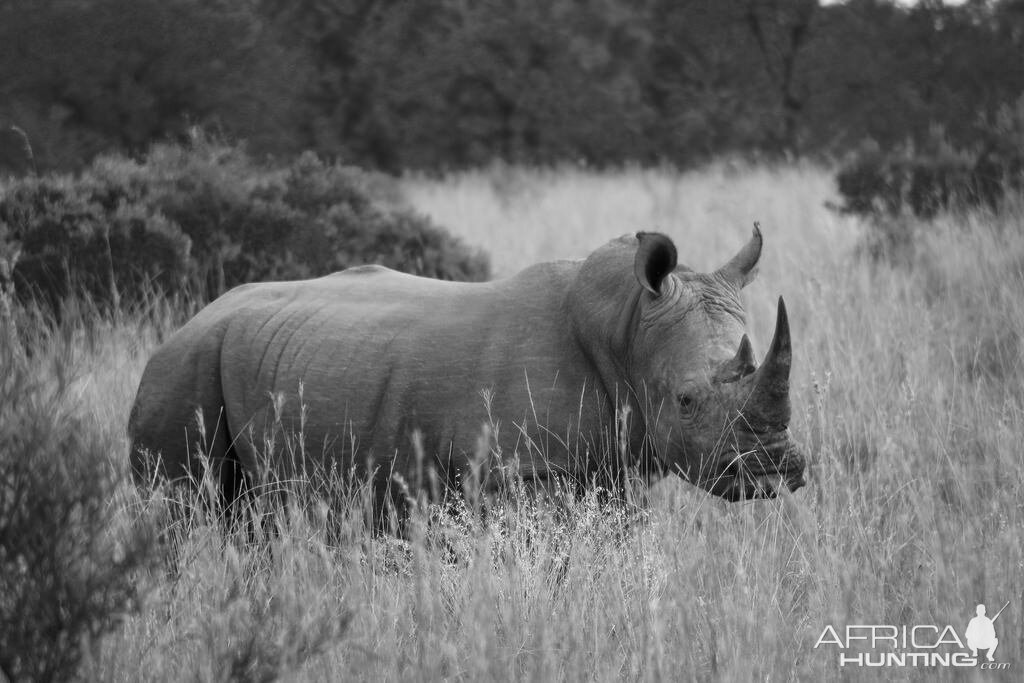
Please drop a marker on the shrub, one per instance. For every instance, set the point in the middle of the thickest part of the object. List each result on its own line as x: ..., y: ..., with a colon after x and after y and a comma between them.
x: 889, y: 185
x: 207, y: 214
x: 73, y: 242
x: 896, y: 191
x: 68, y: 561
x: 15, y: 152
x: 925, y: 182
x: 307, y: 219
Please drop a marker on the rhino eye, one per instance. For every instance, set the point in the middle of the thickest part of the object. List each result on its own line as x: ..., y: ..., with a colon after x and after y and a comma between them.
x: 687, y: 403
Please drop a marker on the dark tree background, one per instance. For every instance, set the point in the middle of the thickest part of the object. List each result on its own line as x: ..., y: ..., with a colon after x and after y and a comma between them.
x: 438, y: 84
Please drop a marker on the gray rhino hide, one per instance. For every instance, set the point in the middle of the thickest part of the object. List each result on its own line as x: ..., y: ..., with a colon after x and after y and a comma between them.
x: 379, y: 354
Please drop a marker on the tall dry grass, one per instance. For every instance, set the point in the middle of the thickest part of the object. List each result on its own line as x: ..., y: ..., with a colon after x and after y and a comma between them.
x: 907, y: 387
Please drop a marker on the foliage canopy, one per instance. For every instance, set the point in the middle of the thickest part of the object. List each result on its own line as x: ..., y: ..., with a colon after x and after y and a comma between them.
x: 442, y: 83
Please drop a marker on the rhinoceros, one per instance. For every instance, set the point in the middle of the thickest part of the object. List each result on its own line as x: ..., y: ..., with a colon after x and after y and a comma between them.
x: 581, y: 368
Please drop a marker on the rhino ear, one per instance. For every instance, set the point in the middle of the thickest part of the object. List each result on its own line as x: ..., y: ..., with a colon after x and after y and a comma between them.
x: 655, y: 258
x: 742, y: 269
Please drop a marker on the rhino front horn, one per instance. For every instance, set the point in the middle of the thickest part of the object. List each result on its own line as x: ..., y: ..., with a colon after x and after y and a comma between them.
x: 771, y: 381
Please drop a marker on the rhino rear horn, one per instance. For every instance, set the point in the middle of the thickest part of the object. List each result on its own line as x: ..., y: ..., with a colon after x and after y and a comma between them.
x: 770, y: 397
x: 740, y: 365
x: 742, y: 268
x: 744, y: 360
x: 655, y: 258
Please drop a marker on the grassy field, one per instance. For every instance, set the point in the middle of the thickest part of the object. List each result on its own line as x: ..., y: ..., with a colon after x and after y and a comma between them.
x: 908, y: 389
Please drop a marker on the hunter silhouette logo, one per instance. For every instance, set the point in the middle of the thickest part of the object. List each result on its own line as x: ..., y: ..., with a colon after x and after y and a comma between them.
x: 981, y: 634
x: 918, y: 645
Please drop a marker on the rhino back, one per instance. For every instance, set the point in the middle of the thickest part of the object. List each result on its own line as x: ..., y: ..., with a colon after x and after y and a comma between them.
x: 379, y: 354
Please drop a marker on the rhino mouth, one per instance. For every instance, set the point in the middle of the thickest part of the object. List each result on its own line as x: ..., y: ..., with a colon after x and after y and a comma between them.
x: 762, y: 459
x: 749, y: 476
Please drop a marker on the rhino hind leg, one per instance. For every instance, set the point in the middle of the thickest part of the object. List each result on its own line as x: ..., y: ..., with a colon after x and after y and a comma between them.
x: 185, y: 442
x: 234, y: 482
x: 187, y: 463
x: 235, y: 490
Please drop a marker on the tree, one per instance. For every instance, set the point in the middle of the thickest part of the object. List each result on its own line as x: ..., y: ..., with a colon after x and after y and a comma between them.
x: 781, y: 29
x: 85, y: 76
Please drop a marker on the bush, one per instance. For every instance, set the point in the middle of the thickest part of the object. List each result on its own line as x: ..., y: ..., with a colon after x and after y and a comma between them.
x: 15, y: 152
x: 877, y: 185
x: 68, y: 562
x: 307, y: 219
x: 72, y: 242
x: 925, y: 182
x: 207, y: 215
x: 896, y: 191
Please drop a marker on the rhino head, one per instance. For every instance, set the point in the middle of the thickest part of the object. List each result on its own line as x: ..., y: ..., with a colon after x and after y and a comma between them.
x: 717, y: 418
x: 710, y: 413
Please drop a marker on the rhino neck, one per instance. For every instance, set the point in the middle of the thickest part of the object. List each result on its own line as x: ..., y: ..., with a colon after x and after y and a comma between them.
x: 603, y: 310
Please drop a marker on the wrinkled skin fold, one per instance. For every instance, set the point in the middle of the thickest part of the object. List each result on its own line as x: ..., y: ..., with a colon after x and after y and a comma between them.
x: 359, y: 361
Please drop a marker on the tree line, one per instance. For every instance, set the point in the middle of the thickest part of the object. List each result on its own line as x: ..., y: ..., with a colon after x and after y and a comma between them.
x: 440, y: 84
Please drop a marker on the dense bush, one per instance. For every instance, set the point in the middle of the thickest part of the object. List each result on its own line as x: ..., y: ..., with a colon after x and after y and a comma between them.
x: 922, y: 181
x: 69, y: 561
x: 890, y: 185
x: 902, y: 191
x: 71, y: 242
x: 16, y: 156
x: 207, y: 216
